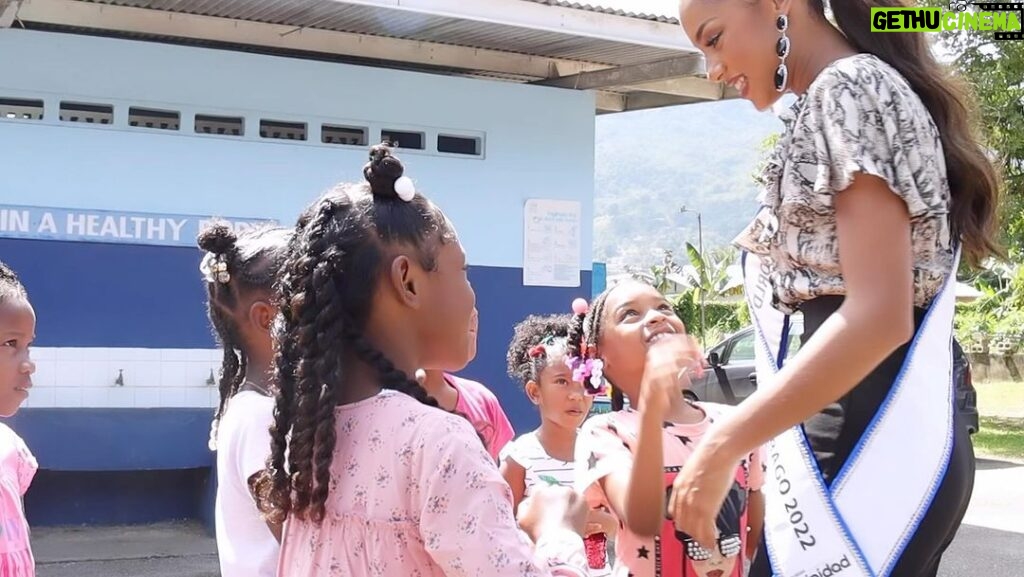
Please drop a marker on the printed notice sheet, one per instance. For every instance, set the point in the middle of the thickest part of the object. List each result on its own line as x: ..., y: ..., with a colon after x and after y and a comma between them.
x: 551, y: 237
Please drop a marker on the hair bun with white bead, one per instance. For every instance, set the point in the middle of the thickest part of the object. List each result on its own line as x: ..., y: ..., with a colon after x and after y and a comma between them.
x: 385, y: 174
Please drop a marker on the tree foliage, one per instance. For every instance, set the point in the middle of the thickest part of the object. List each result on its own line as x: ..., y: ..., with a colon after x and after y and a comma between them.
x: 994, y: 72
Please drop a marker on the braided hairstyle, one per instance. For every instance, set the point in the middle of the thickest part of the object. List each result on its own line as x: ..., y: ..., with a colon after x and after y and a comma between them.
x: 339, y: 251
x: 532, y: 331
x: 10, y: 285
x: 252, y: 260
x: 584, y: 334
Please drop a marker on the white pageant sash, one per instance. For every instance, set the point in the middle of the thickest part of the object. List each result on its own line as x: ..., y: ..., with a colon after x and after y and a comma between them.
x: 860, y: 525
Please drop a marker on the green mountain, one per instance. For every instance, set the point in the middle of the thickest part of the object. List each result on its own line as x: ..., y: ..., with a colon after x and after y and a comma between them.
x: 651, y: 163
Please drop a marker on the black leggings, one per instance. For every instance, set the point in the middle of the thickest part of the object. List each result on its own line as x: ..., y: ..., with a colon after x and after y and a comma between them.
x: 834, y: 432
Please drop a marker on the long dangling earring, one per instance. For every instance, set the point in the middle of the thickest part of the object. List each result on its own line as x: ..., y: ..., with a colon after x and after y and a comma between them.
x: 782, y: 51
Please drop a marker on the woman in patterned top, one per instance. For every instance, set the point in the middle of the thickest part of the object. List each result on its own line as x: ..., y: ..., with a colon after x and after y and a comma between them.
x: 873, y: 189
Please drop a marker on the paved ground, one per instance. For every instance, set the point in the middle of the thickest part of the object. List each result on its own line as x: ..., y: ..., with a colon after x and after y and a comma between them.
x: 991, y: 542
x: 164, y: 550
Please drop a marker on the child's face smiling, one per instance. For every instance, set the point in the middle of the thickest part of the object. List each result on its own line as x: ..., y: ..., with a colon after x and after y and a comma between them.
x: 17, y: 331
x: 635, y: 314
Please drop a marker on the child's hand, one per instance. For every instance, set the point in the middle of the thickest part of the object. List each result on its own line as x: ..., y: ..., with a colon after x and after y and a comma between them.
x: 599, y: 521
x: 549, y: 508
x: 671, y: 359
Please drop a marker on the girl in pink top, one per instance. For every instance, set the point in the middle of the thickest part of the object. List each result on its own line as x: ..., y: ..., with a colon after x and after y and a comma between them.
x: 472, y: 400
x: 373, y: 478
x: 628, y: 459
x: 17, y: 465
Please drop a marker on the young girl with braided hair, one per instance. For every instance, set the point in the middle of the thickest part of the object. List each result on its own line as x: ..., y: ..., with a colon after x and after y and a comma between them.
x: 240, y: 271
x: 538, y: 359
x: 372, y: 477
x: 627, y: 459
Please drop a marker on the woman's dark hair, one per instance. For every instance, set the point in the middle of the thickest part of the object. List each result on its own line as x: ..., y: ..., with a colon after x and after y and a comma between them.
x: 251, y: 261
x: 336, y: 257
x: 973, y: 180
x: 10, y: 284
x: 529, y: 333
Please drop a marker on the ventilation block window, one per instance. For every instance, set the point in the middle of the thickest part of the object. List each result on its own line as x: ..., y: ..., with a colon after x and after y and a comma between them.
x: 403, y: 139
x: 86, y: 113
x: 20, y: 109
x: 283, y: 130
x: 467, y: 145
x: 222, y: 125
x: 336, y: 134
x: 158, y: 119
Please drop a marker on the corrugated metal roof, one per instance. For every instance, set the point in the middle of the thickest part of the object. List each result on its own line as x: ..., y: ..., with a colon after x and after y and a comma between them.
x: 654, y: 10
x: 535, y: 47
x: 359, y: 19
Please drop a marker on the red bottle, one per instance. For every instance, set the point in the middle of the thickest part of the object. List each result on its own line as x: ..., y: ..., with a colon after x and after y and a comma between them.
x: 597, y: 550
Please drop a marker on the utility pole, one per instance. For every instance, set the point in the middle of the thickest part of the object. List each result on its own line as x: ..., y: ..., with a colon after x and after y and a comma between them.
x: 700, y: 249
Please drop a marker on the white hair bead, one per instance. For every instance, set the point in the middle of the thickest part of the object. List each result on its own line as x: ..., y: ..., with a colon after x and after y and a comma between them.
x: 405, y: 189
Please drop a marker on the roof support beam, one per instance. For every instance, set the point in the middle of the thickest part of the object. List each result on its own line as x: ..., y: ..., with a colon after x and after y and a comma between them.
x: 645, y: 100
x: 696, y: 87
x: 610, y: 102
x: 8, y: 11
x: 286, y: 37
x: 679, y: 67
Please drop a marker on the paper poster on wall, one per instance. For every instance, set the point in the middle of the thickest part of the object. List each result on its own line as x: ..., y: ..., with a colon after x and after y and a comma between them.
x: 551, y: 237
x: 83, y: 225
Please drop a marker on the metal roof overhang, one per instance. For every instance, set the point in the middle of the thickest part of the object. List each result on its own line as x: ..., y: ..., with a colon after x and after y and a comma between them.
x: 631, y: 62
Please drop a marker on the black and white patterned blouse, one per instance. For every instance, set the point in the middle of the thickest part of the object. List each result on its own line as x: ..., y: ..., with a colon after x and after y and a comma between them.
x: 859, y: 115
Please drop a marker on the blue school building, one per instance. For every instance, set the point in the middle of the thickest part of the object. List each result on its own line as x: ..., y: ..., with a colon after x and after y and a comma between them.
x: 125, y: 124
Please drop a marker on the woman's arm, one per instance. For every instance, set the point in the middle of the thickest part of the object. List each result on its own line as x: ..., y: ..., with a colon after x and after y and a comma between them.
x: 876, y: 317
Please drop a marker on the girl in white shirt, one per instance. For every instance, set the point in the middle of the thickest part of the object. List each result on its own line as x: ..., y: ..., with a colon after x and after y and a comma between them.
x: 240, y: 272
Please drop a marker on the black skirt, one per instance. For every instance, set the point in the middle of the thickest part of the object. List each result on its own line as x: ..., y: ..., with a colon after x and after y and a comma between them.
x: 833, y: 434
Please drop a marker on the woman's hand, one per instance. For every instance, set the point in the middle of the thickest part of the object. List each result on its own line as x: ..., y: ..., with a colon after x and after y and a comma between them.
x: 699, y: 490
x: 549, y: 508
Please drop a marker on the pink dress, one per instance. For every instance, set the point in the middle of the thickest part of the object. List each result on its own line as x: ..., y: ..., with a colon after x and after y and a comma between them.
x: 607, y: 442
x: 414, y: 493
x: 17, y: 467
x: 482, y: 408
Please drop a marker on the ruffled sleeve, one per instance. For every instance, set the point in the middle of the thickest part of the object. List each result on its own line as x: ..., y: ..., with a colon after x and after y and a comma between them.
x: 866, y: 119
x: 515, y: 451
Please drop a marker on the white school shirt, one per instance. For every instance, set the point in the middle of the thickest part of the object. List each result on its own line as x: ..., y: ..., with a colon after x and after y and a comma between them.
x: 245, y: 545
x: 541, y: 470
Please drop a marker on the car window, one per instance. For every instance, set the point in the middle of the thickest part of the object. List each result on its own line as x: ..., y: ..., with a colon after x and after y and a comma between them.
x: 742, y: 349
x: 796, y: 330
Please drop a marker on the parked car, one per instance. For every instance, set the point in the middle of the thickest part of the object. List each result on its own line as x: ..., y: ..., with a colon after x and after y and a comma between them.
x: 731, y: 377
